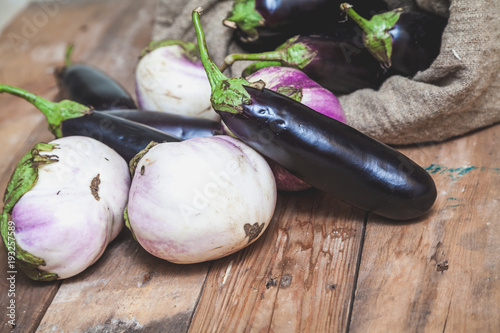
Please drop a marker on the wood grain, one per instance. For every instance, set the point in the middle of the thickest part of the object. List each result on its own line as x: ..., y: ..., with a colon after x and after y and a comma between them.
x: 306, y: 262
x: 440, y: 273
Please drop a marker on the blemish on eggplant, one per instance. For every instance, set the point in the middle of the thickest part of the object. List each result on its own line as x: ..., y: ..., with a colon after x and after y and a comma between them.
x: 253, y: 231
x: 94, y: 187
x: 143, y: 170
x: 107, y: 159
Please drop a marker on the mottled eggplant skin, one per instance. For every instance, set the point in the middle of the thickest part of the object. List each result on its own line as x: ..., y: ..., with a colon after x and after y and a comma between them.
x: 342, y: 65
x: 333, y: 156
x: 90, y: 86
x: 126, y: 137
x: 416, y: 41
x: 180, y: 126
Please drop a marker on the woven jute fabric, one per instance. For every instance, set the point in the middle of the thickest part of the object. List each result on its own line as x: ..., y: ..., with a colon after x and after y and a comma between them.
x: 459, y: 93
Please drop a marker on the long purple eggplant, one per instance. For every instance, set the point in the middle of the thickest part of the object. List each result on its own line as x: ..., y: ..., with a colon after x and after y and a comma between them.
x: 322, y: 151
x: 92, y: 87
x: 338, y: 62
x: 68, y: 118
x: 274, y: 21
x: 405, y: 41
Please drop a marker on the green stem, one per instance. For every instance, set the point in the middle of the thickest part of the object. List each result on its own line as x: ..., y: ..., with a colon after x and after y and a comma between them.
x: 228, y: 95
x: 67, y: 57
x: 362, y: 22
x: 277, y: 56
x: 215, y: 76
x: 55, y: 113
x: 377, y: 38
x: 291, y: 54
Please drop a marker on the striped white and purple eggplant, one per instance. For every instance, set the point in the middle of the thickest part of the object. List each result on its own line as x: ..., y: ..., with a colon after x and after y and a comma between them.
x: 200, y: 199
x: 63, y: 205
x: 170, y: 78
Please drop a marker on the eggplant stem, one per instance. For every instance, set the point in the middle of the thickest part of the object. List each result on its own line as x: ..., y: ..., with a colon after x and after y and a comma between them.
x: 376, y: 36
x: 215, y: 76
x: 55, y: 113
x: 362, y: 22
x: 67, y: 57
x: 228, y: 95
x: 279, y: 55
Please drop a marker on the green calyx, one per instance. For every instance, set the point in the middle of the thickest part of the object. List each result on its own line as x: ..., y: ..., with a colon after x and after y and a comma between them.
x: 23, y: 179
x: 292, y: 92
x: 132, y: 167
x: 55, y: 113
x: 190, y: 49
x: 246, y: 18
x: 290, y: 54
x: 377, y: 38
x: 228, y: 95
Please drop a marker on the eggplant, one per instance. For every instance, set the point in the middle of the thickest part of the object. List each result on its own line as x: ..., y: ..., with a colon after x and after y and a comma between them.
x: 200, y: 199
x: 406, y: 41
x: 264, y: 23
x: 169, y: 77
x: 68, y: 118
x: 321, y: 151
x: 180, y: 126
x: 339, y: 62
x: 53, y: 223
x: 92, y: 87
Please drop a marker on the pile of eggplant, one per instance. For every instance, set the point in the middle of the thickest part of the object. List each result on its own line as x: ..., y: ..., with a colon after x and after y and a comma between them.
x: 193, y: 166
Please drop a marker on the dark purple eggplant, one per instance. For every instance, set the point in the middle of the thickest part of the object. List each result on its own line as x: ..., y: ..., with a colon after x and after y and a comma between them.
x: 275, y: 21
x: 180, y: 126
x: 68, y: 118
x: 405, y: 41
x: 92, y: 87
x: 338, y: 62
x: 322, y: 151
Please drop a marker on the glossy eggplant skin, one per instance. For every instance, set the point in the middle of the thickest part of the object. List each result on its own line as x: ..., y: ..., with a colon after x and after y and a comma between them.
x: 90, y: 86
x: 126, y: 137
x: 320, y: 14
x: 333, y: 156
x: 416, y: 41
x: 284, y: 19
x: 180, y: 126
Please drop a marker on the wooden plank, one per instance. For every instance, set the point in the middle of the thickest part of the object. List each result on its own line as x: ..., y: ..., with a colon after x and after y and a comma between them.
x: 297, y: 278
x: 127, y: 290
x: 440, y: 273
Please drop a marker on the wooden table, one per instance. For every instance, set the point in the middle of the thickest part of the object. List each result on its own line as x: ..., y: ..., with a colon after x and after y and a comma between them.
x: 322, y: 266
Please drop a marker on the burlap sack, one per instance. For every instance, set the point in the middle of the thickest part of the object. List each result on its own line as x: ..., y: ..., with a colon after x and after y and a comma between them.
x: 460, y: 92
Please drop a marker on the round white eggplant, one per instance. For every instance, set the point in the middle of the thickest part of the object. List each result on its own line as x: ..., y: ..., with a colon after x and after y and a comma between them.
x: 170, y: 78
x: 66, y: 201
x: 200, y: 199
